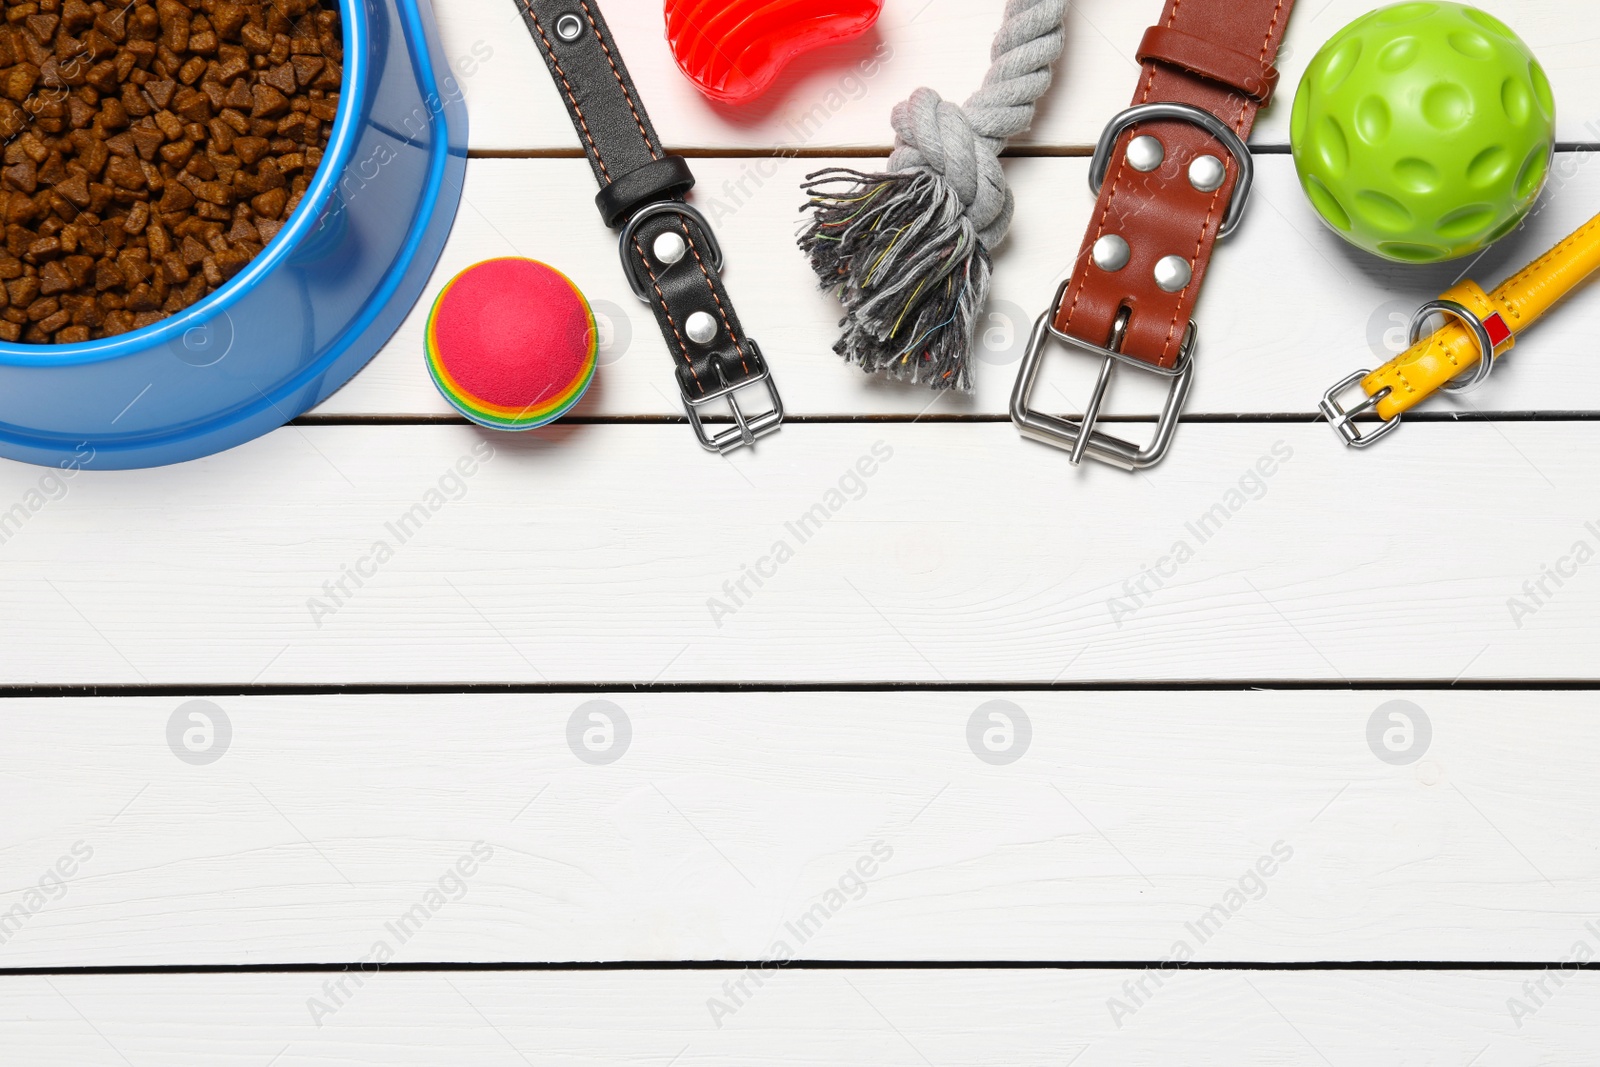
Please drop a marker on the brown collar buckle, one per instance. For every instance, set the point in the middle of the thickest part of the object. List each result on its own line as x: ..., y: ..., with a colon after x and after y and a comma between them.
x: 1079, y: 437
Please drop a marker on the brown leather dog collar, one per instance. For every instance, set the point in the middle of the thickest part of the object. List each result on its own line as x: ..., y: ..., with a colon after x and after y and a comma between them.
x: 1172, y: 174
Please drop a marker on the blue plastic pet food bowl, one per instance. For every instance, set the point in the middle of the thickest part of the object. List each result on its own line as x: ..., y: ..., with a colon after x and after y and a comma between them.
x: 305, y: 314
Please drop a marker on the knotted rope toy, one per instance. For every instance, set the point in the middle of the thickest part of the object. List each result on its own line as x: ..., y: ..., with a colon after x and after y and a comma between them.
x: 908, y: 251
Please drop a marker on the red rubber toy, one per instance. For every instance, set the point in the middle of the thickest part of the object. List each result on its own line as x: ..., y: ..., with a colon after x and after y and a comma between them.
x: 733, y: 49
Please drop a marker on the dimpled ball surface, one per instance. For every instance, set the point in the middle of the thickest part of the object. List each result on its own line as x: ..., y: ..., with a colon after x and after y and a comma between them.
x: 1423, y: 131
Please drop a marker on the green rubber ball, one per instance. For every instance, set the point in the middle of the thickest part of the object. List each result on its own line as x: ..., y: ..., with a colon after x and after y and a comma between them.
x: 1423, y: 131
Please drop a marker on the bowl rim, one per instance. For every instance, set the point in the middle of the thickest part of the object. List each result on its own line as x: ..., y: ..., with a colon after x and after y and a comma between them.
x: 302, y: 222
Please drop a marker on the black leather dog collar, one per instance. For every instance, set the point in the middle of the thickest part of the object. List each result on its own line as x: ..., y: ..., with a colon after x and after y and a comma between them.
x: 669, y: 254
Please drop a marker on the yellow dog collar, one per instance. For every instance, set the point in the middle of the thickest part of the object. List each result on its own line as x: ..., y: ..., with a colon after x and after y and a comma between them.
x: 1478, y: 328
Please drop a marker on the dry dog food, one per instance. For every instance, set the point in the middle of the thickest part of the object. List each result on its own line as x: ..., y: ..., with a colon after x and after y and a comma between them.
x: 151, y: 150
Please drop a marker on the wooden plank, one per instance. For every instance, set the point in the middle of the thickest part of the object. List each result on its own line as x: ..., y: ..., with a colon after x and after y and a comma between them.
x: 840, y: 98
x: 1247, y: 826
x: 1288, y: 308
x: 1208, y: 1019
x: 945, y: 552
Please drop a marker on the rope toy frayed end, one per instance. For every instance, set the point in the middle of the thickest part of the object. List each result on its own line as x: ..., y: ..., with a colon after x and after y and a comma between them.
x: 908, y: 251
x: 908, y: 267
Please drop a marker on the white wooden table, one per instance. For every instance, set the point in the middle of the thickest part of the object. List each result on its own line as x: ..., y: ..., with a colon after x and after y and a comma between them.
x: 398, y: 783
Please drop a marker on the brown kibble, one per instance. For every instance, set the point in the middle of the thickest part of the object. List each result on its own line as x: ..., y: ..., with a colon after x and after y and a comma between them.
x: 143, y: 298
x: 76, y: 15
x: 23, y: 176
x: 138, y: 218
x: 270, y: 204
x: 18, y: 81
x: 250, y: 149
x: 103, y: 76
x: 256, y: 40
x: 267, y: 102
x: 292, y: 126
x: 54, y: 278
x: 175, y: 197
x: 53, y: 171
x: 160, y: 91
x: 176, y: 138
x: 281, y: 78
x: 43, y: 27
x: 33, y: 148
x: 228, y: 19
x: 192, y: 106
x: 80, y: 267
x: 144, y: 24
x: 91, y: 239
x: 268, y: 175
x: 113, y: 116
x: 76, y: 189
x: 125, y: 173
x: 12, y: 119
x: 107, y: 275
x: 80, y: 113
x: 174, y: 19
x: 23, y: 291
x: 177, y: 154
x: 134, y: 102
x: 147, y: 139
x: 99, y: 44
x: 43, y: 249
x: 215, y: 193
x: 306, y: 68
x: 169, y: 124
x: 232, y: 62
x: 53, y: 321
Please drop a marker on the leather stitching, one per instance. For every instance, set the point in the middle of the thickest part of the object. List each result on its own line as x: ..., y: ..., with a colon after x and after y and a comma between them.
x: 566, y: 87
x: 1116, y: 182
x: 655, y: 153
x: 722, y: 311
x: 666, y: 310
x: 1238, y: 123
x: 648, y: 143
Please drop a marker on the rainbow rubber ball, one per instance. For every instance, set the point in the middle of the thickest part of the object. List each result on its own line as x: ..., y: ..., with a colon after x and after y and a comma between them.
x: 1423, y: 131
x: 511, y: 343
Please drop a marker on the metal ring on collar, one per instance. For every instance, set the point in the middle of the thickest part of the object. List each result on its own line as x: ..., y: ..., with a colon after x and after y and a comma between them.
x: 1196, y: 117
x: 630, y: 263
x: 1474, y: 325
